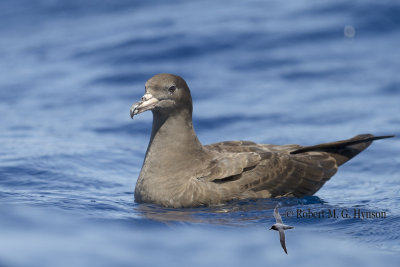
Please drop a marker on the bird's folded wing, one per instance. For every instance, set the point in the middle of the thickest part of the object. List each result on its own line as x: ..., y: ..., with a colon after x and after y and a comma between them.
x: 290, y: 175
x: 268, y: 171
x: 226, y: 165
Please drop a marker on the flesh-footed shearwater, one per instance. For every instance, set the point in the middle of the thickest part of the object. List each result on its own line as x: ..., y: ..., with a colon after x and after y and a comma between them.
x: 280, y: 227
x: 178, y: 171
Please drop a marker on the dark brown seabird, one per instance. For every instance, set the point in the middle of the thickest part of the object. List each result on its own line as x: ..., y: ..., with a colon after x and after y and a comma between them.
x: 178, y: 171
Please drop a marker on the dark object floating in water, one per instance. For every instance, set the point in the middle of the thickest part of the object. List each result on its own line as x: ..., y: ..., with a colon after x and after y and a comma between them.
x: 178, y: 171
x: 280, y: 227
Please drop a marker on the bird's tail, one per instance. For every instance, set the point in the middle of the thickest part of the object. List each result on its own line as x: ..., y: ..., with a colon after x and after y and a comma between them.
x: 287, y: 227
x: 343, y: 150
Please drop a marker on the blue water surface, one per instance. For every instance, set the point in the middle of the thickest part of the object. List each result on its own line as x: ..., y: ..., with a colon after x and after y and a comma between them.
x: 276, y: 72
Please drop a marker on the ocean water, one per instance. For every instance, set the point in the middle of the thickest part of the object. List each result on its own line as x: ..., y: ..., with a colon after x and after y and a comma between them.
x: 267, y: 71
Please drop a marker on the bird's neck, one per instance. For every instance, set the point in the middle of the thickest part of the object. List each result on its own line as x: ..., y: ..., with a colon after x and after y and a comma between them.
x: 173, y: 142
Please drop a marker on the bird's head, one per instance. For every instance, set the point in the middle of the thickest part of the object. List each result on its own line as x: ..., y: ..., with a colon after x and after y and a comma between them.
x: 164, y: 94
x: 273, y: 227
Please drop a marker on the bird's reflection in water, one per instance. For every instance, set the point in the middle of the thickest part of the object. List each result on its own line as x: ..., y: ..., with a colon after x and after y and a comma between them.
x: 233, y: 213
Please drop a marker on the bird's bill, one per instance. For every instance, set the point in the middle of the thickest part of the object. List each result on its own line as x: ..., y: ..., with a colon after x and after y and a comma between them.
x: 148, y: 102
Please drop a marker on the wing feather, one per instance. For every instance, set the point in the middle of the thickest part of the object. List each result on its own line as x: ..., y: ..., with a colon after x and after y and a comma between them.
x: 277, y: 216
x: 225, y: 165
x: 267, y: 170
x: 282, y: 239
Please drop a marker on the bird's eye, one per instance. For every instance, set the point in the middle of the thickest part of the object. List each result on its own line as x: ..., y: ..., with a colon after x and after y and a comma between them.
x: 172, y: 89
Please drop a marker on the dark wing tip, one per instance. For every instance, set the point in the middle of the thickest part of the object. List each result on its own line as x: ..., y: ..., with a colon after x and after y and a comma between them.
x: 362, y: 138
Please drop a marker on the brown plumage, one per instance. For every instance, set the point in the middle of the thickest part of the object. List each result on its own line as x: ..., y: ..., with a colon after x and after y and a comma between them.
x: 178, y: 171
